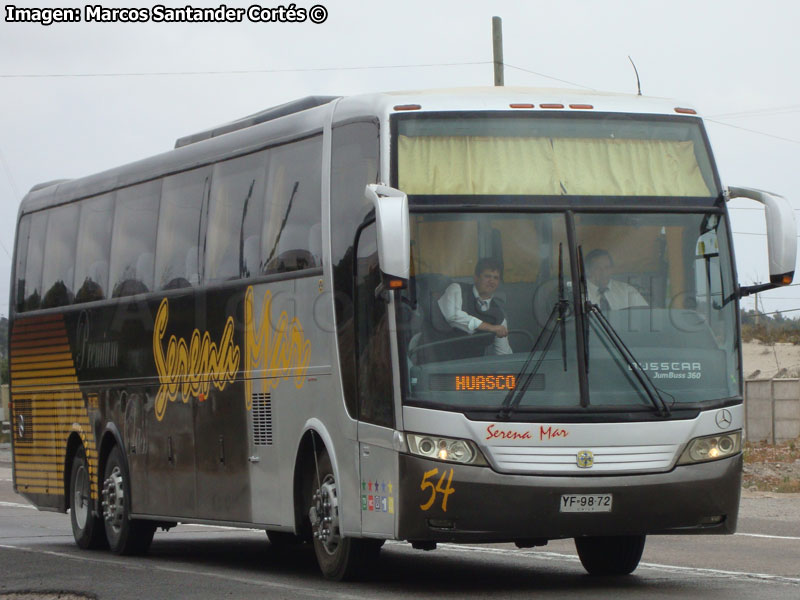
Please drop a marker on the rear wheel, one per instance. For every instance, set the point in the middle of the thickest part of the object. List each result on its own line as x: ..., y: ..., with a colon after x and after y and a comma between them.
x: 86, y: 527
x: 125, y: 535
x: 613, y: 555
x: 339, y: 557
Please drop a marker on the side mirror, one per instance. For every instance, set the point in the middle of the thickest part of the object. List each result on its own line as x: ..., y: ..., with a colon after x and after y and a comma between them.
x: 781, y: 237
x: 393, y: 232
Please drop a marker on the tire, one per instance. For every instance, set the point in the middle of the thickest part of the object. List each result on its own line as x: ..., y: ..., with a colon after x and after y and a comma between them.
x: 340, y: 558
x: 283, y: 539
x: 87, y: 528
x: 617, y: 555
x: 125, y: 535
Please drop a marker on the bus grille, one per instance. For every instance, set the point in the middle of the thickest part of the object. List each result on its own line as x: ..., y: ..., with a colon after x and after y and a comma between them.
x: 610, y: 459
x: 262, y: 420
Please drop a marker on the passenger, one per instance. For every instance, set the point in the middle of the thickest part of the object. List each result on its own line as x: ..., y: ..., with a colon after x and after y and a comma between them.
x: 474, y: 308
x: 607, y: 293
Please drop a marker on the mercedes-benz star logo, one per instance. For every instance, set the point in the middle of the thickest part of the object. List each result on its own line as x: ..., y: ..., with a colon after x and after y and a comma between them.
x: 585, y: 459
x: 724, y: 418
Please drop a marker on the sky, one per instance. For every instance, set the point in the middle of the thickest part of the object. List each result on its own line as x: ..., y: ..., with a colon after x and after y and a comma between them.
x: 79, y: 98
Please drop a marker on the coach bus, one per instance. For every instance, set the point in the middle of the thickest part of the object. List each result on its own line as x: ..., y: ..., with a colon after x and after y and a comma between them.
x: 483, y: 315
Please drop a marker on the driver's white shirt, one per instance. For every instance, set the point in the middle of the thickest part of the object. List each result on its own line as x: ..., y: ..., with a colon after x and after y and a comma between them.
x: 450, y: 305
x: 619, y: 295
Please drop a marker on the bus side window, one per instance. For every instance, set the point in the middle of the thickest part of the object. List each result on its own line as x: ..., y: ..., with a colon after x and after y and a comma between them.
x: 35, y: 261
x: 374, y: 355
x: 23, y: 233
x: 293, y: 208
x: 94, y: 247
x: 179, y: 229
x: 133, y: 239
x: 234, y: 216
x: 59, y: 256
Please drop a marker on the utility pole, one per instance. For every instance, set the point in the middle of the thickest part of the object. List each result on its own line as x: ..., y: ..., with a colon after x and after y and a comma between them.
x: 497, y: 48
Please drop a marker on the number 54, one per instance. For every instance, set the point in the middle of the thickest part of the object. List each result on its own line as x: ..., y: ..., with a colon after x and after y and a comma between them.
x: 441, y: 486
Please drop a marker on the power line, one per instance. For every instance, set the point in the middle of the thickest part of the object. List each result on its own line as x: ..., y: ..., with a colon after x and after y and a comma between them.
x: 777, y: 137
x: 777, y: 110
x: 586, y: 87
x: 233, y: 72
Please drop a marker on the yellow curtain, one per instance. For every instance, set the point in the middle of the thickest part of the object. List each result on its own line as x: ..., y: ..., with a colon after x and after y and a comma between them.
x: 557, y: 166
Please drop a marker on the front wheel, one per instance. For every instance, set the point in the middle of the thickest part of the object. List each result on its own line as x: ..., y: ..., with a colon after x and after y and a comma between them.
x: 612, y: 555
x: 87, y: 529
x: 125, y: 535
x: 339, y: 558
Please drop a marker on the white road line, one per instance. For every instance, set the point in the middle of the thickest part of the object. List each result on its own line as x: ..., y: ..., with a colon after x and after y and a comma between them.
x: 150, y: 565
x: 669, y: 568
x: 16, y: 505
x: 770, y: 537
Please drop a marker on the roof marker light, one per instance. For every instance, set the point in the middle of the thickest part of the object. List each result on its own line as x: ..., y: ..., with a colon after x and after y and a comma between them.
x: 582, y: 106
x: 407, y: 107
x: 521, y: 105
x: 685, y: 111
x: 551, y: 106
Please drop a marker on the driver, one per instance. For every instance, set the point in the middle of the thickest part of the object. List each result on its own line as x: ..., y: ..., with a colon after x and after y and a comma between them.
x: 470, y: 308
x: 608, y: 293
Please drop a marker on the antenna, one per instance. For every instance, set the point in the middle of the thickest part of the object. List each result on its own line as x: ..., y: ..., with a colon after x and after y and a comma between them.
x: 635, y: 70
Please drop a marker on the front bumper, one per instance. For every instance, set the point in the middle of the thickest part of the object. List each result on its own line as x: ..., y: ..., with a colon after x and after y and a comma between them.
x: 478, y: 504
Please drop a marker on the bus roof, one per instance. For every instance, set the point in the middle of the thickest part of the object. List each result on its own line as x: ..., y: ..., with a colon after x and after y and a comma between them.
x: 308, y: 115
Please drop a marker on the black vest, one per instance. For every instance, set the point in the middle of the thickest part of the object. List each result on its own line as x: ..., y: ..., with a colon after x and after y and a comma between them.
x: 439, y: 329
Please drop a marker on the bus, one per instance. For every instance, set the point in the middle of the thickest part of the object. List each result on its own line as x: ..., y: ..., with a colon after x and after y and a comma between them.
x: 465, y: 316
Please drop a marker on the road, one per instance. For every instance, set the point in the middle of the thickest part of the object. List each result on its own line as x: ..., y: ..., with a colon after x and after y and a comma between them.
x: 37, y: 554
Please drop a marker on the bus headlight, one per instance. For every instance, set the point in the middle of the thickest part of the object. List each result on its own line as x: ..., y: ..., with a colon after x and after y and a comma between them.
x: 447, y: 449
x: 712, y: 447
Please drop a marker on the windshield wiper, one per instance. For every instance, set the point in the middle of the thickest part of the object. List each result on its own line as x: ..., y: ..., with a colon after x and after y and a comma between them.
x: 590, y: 308
x: 557, y: 316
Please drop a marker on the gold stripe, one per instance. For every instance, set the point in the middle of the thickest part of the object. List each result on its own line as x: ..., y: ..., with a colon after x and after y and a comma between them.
x: 35, y: 366
x: 42, y: 343
x: 60, y: 350
x: 38, y: 401
x: 33, y: 321
x: 43, y: 372
x: 43, y: 384
x: 41, y: 359
x: 44, y: 334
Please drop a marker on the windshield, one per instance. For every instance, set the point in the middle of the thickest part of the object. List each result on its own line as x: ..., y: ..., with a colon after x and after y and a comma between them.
x: 486, y: 286
x: 552, y: 154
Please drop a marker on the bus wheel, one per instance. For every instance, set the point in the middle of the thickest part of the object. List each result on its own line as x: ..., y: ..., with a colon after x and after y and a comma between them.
x: 86, y: 527
x: 125, y: 535
x: 613, y: 555
x: 339, y: 557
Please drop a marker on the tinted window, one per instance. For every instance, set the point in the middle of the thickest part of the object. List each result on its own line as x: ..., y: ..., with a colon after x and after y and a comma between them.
x: 292, y: 238
x: 374, y: 356
x: 134, y: 239
x: 35, y: 260
x: 179, y: 234
x: 354, y: 164
x: 94, y: 247
x: 232, y: 243
x: 21, y: 254
x: 59, y: 257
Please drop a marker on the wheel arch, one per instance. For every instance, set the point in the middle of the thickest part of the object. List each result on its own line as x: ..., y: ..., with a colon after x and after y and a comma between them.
x: 315, y: 437
x: 74, y: 443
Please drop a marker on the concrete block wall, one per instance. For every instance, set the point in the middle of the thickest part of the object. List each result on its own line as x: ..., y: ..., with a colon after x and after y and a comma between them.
x: 772, y: 410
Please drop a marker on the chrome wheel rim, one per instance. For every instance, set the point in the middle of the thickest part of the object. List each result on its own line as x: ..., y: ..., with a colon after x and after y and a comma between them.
x: 80, y: 499
x: 324, y: 515
x: 114, y: 499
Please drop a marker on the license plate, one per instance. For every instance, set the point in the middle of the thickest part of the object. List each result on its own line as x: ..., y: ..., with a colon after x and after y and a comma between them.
x: 585, y: 503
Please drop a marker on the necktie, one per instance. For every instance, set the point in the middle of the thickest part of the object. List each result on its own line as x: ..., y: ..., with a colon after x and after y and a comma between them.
x: 484, y: 304
x: 604, y: 305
